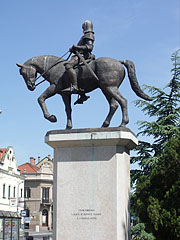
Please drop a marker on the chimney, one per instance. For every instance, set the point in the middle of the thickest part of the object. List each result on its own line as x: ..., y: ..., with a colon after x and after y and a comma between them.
x: 49, y: 156
x: 39, y: 159
x: 1, y: 154
x: 32, y: 161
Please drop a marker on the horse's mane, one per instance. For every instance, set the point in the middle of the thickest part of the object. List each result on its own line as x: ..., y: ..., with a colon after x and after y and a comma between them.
x: 41, y: 58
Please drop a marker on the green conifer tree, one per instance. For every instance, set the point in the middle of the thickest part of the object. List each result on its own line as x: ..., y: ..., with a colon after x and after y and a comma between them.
x: 158, y: 177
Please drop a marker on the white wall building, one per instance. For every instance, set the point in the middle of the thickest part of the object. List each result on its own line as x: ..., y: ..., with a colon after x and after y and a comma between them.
x: 11, y: 182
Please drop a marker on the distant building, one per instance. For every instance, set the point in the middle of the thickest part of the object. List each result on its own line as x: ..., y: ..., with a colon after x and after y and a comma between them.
x: 11, y: 182
x: 38, y: 192
x: 11, y: 195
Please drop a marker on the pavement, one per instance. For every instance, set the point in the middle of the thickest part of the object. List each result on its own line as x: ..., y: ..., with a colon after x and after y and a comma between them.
x: 41, y: 235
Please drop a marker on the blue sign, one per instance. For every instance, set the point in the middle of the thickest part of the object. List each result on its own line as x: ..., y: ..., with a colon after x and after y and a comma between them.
x: 24, y: 213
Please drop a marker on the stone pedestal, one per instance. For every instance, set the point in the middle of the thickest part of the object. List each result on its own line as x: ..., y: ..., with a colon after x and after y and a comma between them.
x: 91, y: 183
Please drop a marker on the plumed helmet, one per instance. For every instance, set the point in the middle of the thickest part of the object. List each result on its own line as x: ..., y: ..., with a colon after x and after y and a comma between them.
x: 87, y: 26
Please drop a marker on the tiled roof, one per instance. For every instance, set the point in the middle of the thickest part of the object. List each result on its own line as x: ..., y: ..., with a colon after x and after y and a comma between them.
x: 2, y: 152
x: 28, y: 168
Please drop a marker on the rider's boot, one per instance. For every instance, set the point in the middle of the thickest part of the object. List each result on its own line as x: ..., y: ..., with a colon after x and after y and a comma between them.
x: 82, y: 99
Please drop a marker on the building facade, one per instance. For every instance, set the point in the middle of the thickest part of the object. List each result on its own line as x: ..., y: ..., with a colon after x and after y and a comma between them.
x: 11, y: 195
x: 38, y: 192
x: 11, y: 182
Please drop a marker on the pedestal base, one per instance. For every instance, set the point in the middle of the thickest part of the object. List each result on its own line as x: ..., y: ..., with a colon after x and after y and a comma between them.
x: 91, y: 183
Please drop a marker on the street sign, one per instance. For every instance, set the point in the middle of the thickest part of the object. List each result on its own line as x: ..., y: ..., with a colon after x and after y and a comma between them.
x: 13, y: 202
x: 24, y: 213
x: 21, y: 202
x: 27, y: 220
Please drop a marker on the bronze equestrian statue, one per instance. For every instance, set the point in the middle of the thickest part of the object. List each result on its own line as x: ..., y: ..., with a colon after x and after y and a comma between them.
x: 104, y: 73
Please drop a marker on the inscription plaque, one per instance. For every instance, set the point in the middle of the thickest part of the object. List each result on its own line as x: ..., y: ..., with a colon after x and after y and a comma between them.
x: 86, y: 214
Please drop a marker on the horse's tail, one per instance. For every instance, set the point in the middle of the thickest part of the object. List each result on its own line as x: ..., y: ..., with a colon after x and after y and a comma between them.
x: 133, y: 80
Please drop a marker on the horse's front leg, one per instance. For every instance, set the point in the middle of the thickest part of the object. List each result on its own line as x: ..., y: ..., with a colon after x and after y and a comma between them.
x: 49, y: 92
x: 67, y: 102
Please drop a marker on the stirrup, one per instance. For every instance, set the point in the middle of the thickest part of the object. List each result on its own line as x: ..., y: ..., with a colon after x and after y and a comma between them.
x: 68, y: 90
x: 73, y: 89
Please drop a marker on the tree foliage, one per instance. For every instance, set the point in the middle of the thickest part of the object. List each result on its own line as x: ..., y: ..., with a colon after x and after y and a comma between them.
x: 157, y: 191
x: 138, y: 233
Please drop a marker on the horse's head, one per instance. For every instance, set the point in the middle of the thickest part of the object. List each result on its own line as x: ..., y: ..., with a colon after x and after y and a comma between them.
x: 29, y: 74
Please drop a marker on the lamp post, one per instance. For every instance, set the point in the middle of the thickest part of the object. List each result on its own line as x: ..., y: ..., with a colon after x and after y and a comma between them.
x: 18, y: 193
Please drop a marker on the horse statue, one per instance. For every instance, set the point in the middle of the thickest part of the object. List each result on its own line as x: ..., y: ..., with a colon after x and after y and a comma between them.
x: 110, y: 74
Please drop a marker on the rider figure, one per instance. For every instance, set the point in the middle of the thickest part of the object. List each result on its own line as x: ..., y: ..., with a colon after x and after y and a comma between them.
x: 84, y: 47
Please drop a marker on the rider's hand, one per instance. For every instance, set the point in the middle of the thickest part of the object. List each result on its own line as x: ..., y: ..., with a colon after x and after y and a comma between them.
x: 73, y: 49
x: 70, y: 50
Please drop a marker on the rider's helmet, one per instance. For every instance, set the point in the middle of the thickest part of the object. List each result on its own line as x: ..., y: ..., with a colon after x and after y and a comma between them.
x: 87, y: 26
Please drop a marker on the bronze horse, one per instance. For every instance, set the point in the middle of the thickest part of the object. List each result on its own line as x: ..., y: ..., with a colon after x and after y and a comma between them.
x: 110, y: 73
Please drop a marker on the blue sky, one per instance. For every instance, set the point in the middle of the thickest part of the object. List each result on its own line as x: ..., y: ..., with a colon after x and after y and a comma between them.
x: 146, y: 32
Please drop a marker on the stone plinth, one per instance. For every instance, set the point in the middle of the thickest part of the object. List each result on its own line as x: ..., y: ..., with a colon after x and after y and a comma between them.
x: 91, y: 183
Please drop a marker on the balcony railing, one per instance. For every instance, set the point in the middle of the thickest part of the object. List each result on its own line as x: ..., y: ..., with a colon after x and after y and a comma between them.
x: 46, y: 200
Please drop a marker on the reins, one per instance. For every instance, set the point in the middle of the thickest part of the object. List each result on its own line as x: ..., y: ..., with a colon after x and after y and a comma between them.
x: 59, y: 61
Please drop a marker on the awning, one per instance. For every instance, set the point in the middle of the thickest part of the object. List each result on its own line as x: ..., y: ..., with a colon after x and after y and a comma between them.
x: 9, y: 214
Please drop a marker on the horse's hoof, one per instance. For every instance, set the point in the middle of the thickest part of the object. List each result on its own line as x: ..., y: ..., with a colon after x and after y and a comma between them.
x: 122, y: 125
x: 105, y: 124
x: 68, y: 127
x: 52, y: 118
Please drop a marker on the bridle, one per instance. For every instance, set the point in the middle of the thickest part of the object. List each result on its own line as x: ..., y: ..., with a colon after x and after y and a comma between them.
x: 45, y: 63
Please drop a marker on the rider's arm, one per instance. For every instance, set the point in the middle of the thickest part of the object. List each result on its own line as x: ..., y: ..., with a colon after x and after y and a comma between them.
x: 88, y: 47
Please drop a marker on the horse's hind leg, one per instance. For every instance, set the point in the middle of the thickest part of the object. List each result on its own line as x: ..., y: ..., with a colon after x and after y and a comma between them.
x: 113, y: 105
x: 114, y: 92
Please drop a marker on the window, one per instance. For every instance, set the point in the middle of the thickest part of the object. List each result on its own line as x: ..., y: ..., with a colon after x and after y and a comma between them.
x: 45, y: 195
x: 9, y: 192
x: 4, y: 190
x: 21, y: 192
x: 44, y: 217
x: 27, y: 192
x: 14, y: 192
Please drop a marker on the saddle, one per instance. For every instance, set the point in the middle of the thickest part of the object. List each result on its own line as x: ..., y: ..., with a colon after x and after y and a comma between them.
x: 92, y: 57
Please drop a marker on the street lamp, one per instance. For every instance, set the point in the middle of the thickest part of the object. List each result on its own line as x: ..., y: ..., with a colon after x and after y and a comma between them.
x: 18, y: 193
